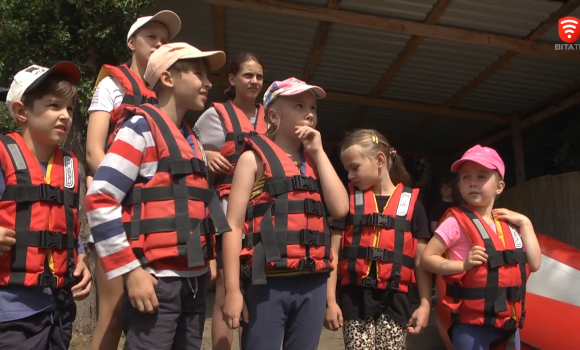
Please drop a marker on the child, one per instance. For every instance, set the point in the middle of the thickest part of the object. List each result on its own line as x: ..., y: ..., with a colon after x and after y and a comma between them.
x: 43, y: 265
x: 224, y: 127
x: 442, y: 204
x: 117, y: 88
x: 280, y: 182
x: 486, y: 264
x: 384, y: 236
x: 152, y: 188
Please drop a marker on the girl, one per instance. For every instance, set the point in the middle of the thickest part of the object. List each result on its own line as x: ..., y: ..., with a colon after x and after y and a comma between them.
x: 483, y: 250
x: 120, y: 87
x: 276, y: 200
x: 223, y: 127
x: 384, y: 236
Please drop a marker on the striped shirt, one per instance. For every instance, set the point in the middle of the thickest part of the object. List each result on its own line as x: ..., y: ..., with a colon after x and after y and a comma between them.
x: 130, y: 160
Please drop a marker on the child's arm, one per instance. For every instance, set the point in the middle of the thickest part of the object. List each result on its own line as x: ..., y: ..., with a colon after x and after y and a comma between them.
x: 432, y: 259
x: 241, y: 191
x: 333, y: 318
x: 531, y: 244
x: 96, y: 138
x: 335, y: 196
x: 210, y: 126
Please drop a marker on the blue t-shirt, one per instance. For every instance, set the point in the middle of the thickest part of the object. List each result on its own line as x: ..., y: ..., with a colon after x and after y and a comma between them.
x: 18, y: 302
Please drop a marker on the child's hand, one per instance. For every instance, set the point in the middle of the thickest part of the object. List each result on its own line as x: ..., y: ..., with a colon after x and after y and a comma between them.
x: 333, y: 317
x: 82, y: 289
x: 419, y: 320
x: 477, y: 256
x: 140, y: 286
x: 510, y: 216
x: 310, y: 138
x: 233, y: 309
x: 213, y: 270
x: 216, y: 163
x: 7, y: 240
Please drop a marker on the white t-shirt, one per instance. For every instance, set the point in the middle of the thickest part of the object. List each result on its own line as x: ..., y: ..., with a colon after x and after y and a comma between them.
x: 108, y: 95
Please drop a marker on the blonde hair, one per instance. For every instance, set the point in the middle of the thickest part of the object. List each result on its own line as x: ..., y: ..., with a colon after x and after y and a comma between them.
x: 371, y: 143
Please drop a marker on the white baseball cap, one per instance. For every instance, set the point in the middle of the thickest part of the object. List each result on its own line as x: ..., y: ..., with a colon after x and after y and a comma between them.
x: 27, y: 79
x: 169, y: 18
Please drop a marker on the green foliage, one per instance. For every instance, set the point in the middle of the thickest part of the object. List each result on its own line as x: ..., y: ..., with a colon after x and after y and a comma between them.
x: 44, y: 32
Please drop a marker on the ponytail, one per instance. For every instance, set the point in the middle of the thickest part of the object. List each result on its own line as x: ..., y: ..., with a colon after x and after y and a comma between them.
x: 230, y: 93
x: 373, y: 142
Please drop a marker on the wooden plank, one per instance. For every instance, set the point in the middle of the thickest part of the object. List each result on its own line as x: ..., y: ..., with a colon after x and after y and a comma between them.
x: 319, y: 42
x: 432, y: 17
x: 401, y: 26
x: 518, y: 150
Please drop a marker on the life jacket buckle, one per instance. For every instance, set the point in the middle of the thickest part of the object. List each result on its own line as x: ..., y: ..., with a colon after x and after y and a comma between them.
x: 310, y: 237
x: 509, y: 257
x: 368, y: 282
x: 514, y: 293
x: 45, y: 280
x: 510, y: 324
x: 376, y: 254
x: 307, y: 264
x: 50, y: 239
x: 379, y: 220
x: 312, y: 207
x: 302, y: 183
x: 240, y: 138
x: 50, y: 193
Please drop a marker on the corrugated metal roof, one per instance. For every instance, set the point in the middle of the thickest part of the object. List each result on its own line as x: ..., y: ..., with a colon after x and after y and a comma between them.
x: 354, y: 60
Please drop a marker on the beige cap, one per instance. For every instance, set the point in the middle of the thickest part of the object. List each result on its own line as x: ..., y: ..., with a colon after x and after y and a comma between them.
x: 169, y: 18
x: 166, y: 55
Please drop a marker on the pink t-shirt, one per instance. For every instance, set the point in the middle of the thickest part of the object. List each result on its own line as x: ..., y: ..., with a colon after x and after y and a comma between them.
x: 458, y: 245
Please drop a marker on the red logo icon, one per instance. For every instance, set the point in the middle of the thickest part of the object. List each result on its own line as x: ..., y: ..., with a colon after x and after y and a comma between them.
x: 569, y: 29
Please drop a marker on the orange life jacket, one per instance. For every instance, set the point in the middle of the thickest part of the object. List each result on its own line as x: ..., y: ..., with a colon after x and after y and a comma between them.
x: 491, y: 294
x: 237, y: 127
x: 136, y: 93
x: 43, y: 211
x: 286, y: 225
x: 171, y: 220
x: 382, y: 238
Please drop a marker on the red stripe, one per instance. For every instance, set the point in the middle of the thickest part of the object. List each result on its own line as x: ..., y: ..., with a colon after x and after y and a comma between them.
x: 99, y: 200
x: 127, y: 151
x: 118, y: 259
x: 559, y: 251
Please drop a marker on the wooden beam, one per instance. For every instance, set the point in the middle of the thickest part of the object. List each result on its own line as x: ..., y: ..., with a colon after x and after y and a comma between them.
x: 540, y: 30
x: 401, y: 26
x: 319, y: 42
x: 219, y: 28
x: 518, y: 151
x: 423, y: 108
x: 432, y: 17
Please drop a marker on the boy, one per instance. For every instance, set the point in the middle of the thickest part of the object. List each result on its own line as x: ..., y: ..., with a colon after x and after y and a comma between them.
x: 152, y: 188
x: 39, y: 224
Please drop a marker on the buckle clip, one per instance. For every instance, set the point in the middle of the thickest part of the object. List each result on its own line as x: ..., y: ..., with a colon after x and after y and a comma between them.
x: 376, y: 254
x: 368, y: 282
x: 514, y: 293
x: 240, y: 138
x: 50, y: 239
x: 50, y: 193
x: 45, y: 280
x: 509, y: 257
x: 310, y: 237
x: 302, y: 182
x: 307, y: 264
x: 312, y: 207
x: 510, y: 324
x: 379, y: 220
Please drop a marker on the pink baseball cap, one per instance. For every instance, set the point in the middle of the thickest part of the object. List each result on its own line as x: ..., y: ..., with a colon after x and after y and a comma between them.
x: 289, y: 87
x: 166, y: 55
x: 484, y: 156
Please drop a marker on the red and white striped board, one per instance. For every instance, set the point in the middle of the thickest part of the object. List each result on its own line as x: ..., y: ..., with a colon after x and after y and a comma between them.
x: 552, y: 301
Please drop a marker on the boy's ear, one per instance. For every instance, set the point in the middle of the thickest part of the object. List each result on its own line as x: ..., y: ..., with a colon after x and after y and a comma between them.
x: 18, y: 112
x: 166, y: 79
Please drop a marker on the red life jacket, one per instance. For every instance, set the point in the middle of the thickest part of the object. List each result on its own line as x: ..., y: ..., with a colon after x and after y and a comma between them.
x: 171, y: 220
x: 136, y: 93
x: 385, y: 239
x: 44, y: 215
x: 492, y: 294
x: 286, y: 225
x: 237, y: 127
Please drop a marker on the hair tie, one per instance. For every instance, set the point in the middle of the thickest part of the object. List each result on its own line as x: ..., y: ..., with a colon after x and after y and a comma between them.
x: 393, y: 152
x: 374, y: 138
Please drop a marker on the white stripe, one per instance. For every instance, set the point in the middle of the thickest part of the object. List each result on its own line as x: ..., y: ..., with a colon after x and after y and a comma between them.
x: 111, y: 245
x: 123, y: 270
x: 103, y: 187
x: 148, y: 169
x: 121, y: 164
x: 556, y: 280
x: 105, y: 214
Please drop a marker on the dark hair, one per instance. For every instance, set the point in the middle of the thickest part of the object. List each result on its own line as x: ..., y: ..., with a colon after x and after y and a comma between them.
x: 54, y: 84
x: 235, y: 67
x: 182, y: 66
x: 372, y: 142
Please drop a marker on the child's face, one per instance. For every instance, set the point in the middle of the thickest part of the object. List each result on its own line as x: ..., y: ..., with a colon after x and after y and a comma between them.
x: 190, y: 88
x: 48, y: 120
x: 249, y: 80
x: 147, y: 40
x: 293, y: 111
x: 446, y: 190
x: 363, y: 171
x: 479, y: 185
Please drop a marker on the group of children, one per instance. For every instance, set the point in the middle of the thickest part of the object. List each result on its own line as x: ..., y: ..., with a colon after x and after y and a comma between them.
x: 247, y: 197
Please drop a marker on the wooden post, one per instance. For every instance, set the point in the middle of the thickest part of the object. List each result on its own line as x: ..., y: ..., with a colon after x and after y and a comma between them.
x: 518, y: 150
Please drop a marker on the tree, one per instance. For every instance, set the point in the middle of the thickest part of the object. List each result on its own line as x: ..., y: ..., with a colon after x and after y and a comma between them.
x: 86, y: 32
